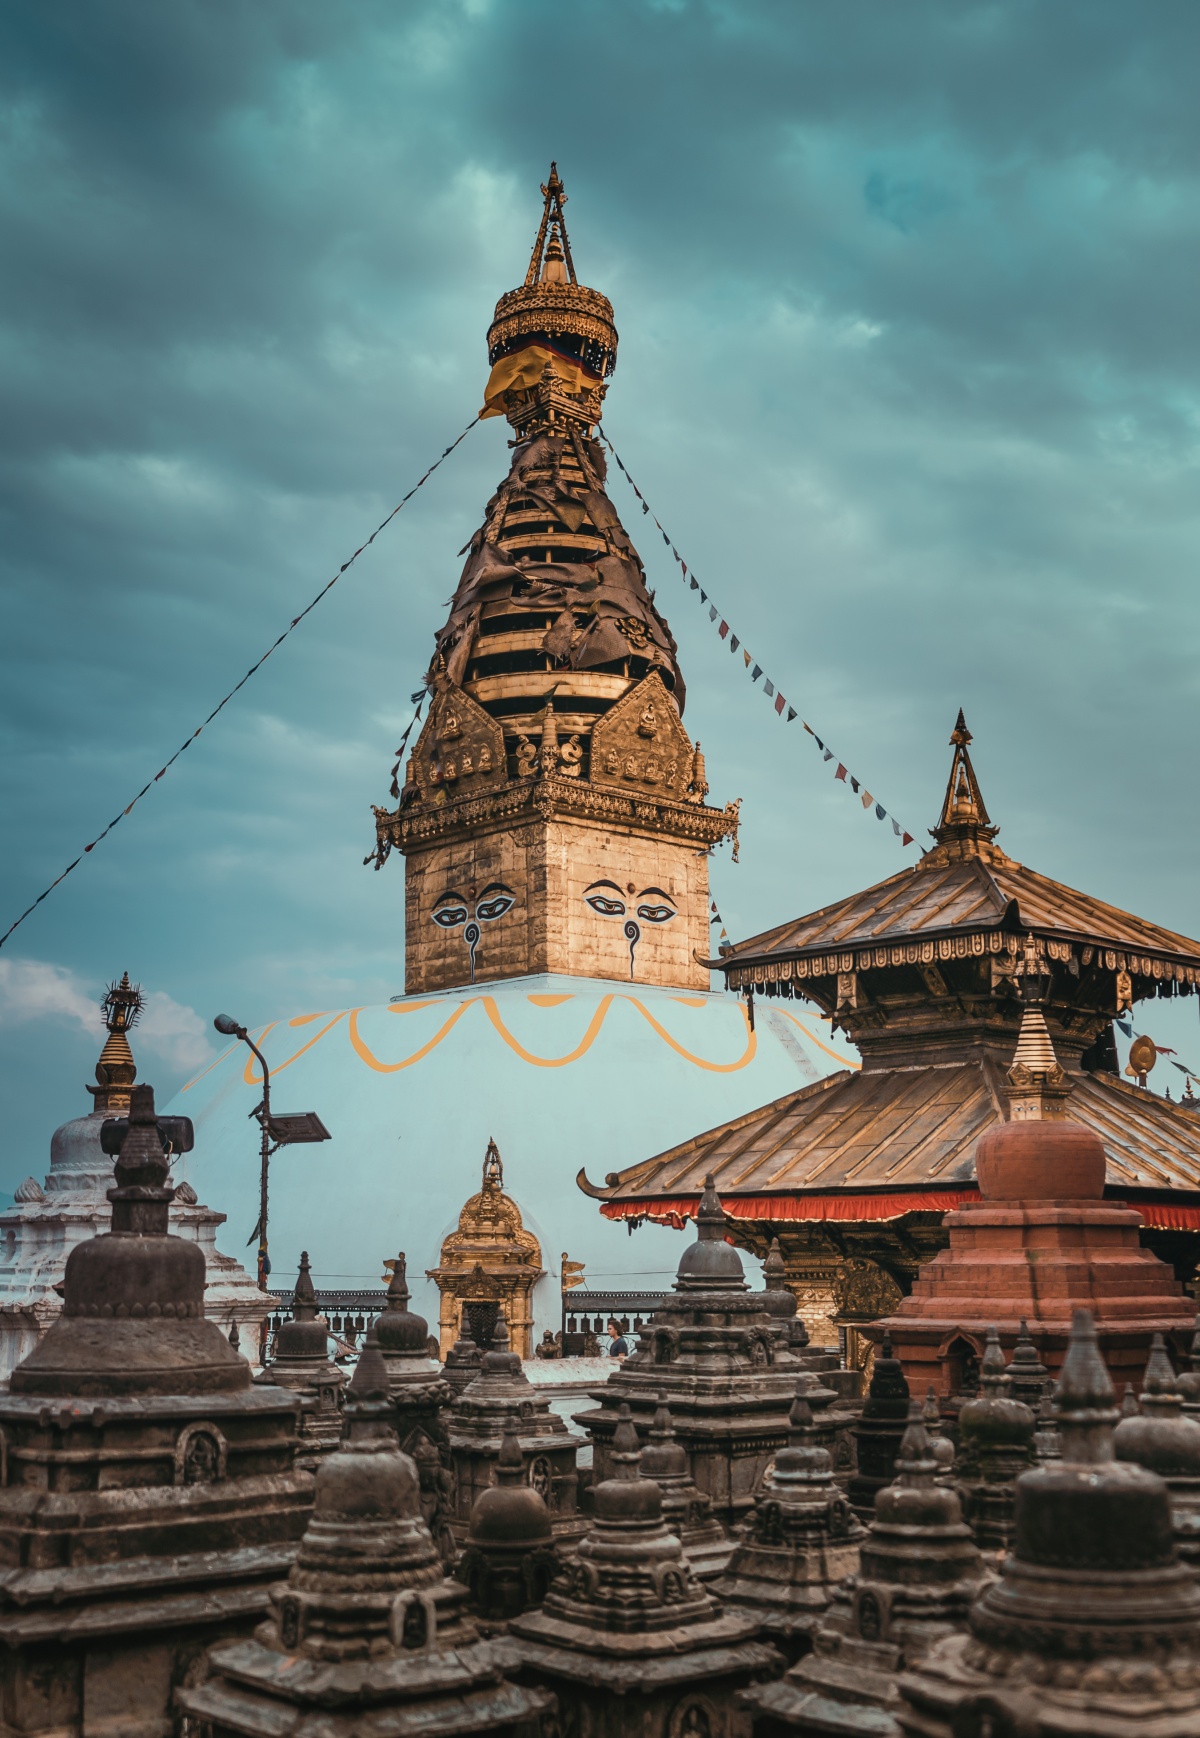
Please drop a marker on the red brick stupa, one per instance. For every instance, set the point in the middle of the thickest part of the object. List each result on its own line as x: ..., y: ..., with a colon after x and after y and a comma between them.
x: 1040, y: 1243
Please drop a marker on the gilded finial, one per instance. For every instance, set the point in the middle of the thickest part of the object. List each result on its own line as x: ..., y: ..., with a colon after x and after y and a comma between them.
x: 116, y: 1069
x: 964, y: 825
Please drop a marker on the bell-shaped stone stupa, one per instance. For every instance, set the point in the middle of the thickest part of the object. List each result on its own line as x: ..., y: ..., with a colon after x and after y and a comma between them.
x: 1094, y: 1624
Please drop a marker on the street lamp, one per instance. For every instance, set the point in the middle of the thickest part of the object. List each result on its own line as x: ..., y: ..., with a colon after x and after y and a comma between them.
x: 294, y: 1129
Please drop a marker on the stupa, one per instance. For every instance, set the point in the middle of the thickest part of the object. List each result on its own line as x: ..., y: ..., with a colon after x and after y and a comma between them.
x: 71, y: 1204
x: 1094, y: 1625
x: 1188, y: 1381
x: 552, y: 813
x: 800, y: 1542
x: 712, y: 1349
x: 302, y: 1364
x: 927, y: 973
x: 919, y: 1572
x: 995, y: 1446
x: 148, y: 1496
x: 1163, y: 1439
x: 627, y: 1638
x: 686, y: 1510
x: 1018, y: 1256
x: 477, y: 1423
x: 879, y: 1431
x: 509, y: 1560
x: 367, y: 1634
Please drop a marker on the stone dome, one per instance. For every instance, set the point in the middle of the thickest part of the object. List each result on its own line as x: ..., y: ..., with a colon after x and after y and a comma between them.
x: 398, y: 1330
x: 510, y: 1512
x: 710, y: 1264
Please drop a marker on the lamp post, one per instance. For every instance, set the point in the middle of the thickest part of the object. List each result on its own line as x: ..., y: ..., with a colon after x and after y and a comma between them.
x: 277, y: 1131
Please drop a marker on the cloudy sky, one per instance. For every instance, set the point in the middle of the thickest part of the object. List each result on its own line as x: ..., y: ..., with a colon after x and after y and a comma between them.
x: 909, y: 369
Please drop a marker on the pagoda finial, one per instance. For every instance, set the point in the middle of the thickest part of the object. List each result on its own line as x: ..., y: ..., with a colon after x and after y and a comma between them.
x: 552, y: 250
x: 116, y: 1069
x: 964, y: 821
x: 493, y: 1168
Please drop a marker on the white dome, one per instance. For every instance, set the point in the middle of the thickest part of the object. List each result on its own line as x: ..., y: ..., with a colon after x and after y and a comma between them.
x: 562, y: 1072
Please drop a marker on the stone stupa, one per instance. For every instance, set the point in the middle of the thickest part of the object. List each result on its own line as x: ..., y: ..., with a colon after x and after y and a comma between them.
x: 302, y: 1364
x: 627, y: 1637
x: 367, y: 1634
x: 1094, y: 1625
x: 713, y: 1348
x: 149, y: 1495
x: 800, y: 1542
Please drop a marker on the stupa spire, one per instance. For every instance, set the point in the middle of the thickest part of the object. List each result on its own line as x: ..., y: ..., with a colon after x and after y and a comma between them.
x: 1038, y: 1087
x: 964, y: 825
x: 116, y: 1069
x: 555, y: 697
x: 552, y: 233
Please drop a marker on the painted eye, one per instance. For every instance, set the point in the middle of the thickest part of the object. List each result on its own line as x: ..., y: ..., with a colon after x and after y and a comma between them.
x: 450, y: 916
x: 491, y: 909
x: 606, y: 907
x: 656, y: 913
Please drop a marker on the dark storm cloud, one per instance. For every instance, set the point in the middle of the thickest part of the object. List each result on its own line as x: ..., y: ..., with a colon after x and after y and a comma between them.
x: 909, y: 366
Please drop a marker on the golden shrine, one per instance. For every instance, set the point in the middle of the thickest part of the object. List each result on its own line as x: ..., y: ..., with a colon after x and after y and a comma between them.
x: 552, y: 813
x: 488, y: 1269
x: 928, y: 974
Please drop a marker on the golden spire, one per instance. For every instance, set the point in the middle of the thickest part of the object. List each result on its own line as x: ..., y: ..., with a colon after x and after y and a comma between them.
x: 1038, y: 1087
x: 552, y: 343
x: 116, y: 1069
x: 964, y: 824
x: 559, y: 248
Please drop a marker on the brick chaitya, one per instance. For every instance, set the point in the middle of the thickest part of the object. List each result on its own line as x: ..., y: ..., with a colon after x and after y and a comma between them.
x: 1020, y: 1255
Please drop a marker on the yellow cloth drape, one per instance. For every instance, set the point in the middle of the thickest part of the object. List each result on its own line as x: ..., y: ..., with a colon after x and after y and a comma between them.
x: 523, y: 368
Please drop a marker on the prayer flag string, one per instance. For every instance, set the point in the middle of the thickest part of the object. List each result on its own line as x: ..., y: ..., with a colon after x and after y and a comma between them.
x: 782, y: 706
x: 224, y: 701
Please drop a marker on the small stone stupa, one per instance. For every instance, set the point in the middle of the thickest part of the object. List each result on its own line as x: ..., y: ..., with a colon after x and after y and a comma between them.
x: 1028, y: 1376
x: 463, y: 1363
x: 686, y: 1510
x: 302, y: 1364
x: 421, y: 1397
x: 800, y: 1542
x: 367, y: 1634
x: 509, y: 1560
x: 1040, y: 1242
x: 995, y: 1446
x: 49, y: 1218
x: 1188, y: 1381
x: 879, y: 1431
x: 627, y: 1637
x: 1094, y: 1625
x: 919, y: 1571
x: 149, y: 1497
x: 477, y: 1424
x: 1163, y: 1439
x: 714, y: 1350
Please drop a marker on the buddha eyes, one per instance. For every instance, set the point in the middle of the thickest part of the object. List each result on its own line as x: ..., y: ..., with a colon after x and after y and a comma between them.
x: 606, y: 907
x: 493, y: 908
x: 453, y: 910
x: 605, y: 897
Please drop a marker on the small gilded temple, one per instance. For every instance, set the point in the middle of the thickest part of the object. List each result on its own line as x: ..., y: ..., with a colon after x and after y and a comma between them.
x: 554, y: 819
x: 928, y: 973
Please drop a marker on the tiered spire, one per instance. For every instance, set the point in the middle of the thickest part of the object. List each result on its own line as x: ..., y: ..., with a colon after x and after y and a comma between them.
x: 116, y: 1069
x: 964, y: 825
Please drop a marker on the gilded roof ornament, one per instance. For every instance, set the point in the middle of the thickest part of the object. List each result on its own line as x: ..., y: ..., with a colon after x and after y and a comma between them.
x: 964, y: 824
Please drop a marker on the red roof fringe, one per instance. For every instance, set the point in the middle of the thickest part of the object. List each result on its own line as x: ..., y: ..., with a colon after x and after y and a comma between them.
x: 676, y: 1210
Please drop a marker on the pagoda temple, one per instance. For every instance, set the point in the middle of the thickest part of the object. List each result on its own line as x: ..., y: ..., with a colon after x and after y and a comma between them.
x: 552, y: 814
x: 928, y: 973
